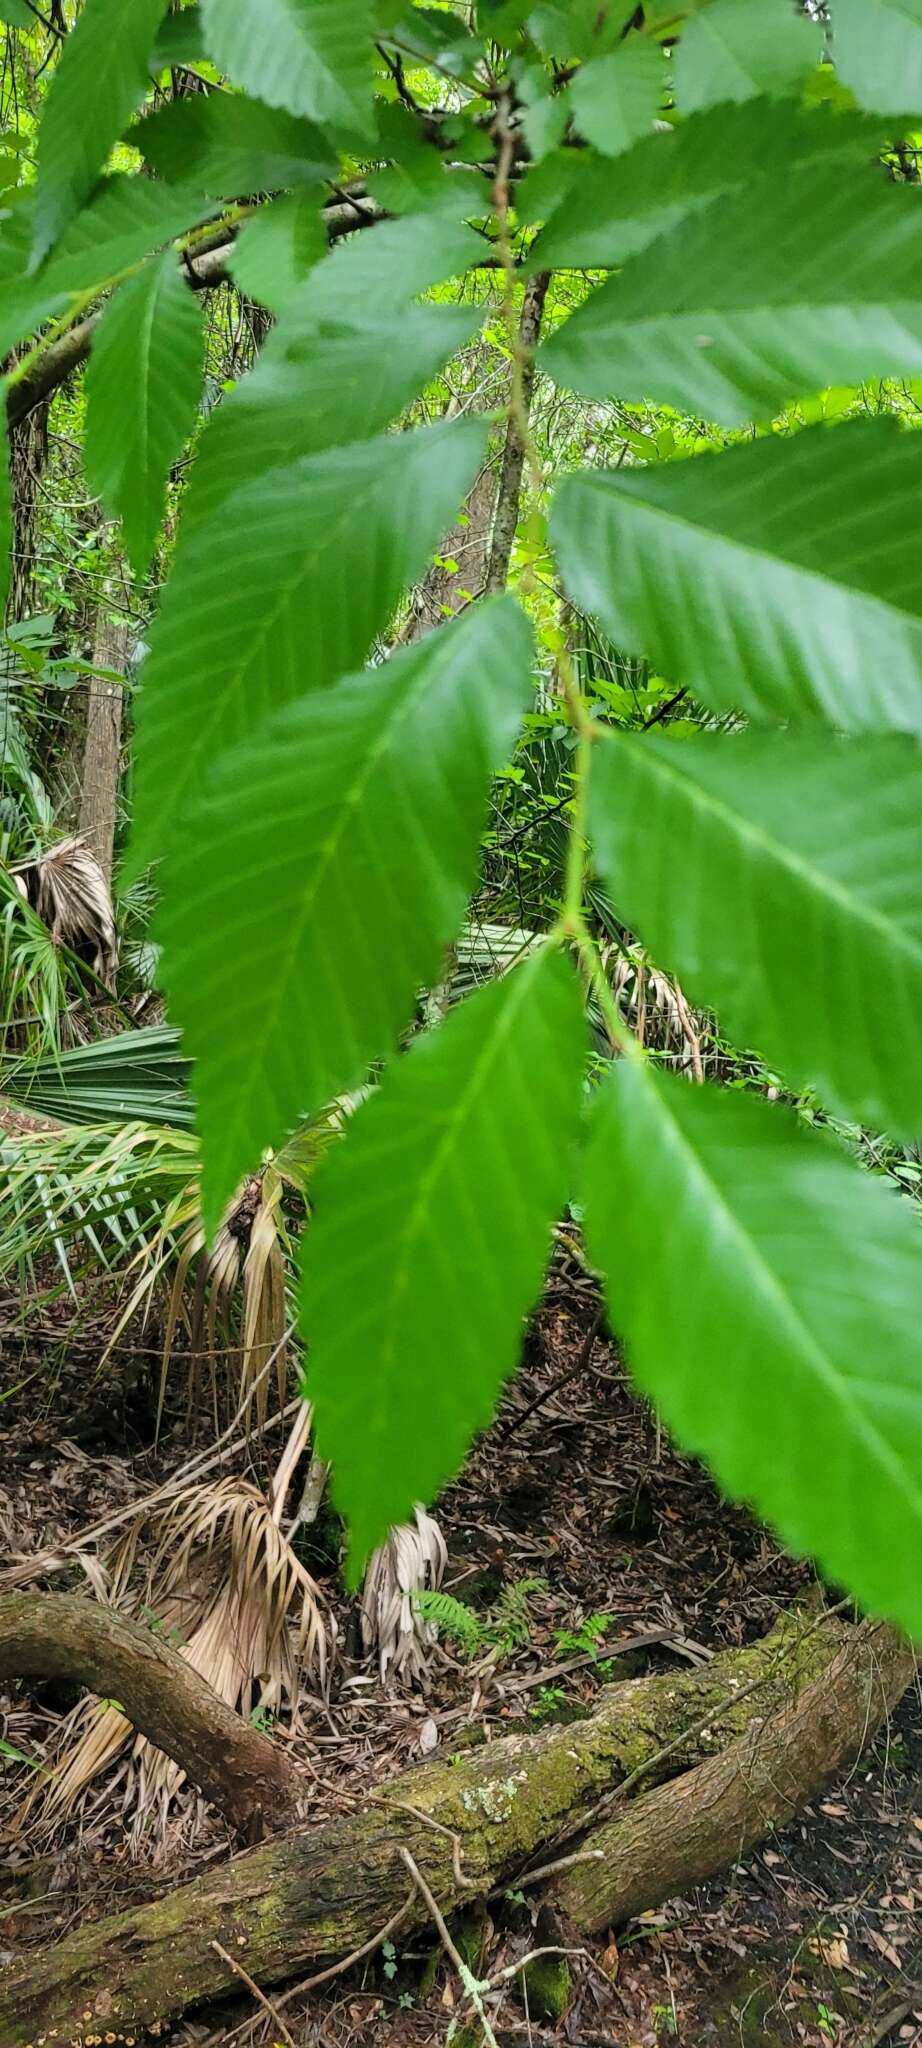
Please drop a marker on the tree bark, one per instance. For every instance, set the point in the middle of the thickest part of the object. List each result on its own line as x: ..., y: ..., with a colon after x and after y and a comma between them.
x: 59, y: 1635
x: 685, y: 1831
x: 505, y: 518
x: 102, y: 751
x: 312, y: 1898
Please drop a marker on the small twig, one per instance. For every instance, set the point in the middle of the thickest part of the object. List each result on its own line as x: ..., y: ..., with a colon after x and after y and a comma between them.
x: 260, y: 1996
x: 572, y: 1373
x: 358, y: 1954
x: 561, y: 1863
x: 472, y: 1986
x: 885, y: 2026
x: 533, y: 1955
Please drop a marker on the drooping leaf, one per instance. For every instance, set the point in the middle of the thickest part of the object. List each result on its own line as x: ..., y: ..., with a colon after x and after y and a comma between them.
x: 781, y: 879
x: 776, y: 578
x: 323, y: 873
x: 232, y: 145
x: 180, y: 39
x: 606, y: 212
x: 142, y: 386
x: 98, y: 81
x: 615, y: 99
x: 430, y: 1238
x: 275, y: 250
x: 318, y: 389
x: 739, y: 49
x: 762, y: 297
x: 308, y: 562
x: 312, y: 57
x: 877, y: 50
x: 770, y: 1294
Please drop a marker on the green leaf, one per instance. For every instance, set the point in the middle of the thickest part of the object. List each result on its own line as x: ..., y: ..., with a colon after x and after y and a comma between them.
x: 127, y: 218
x: 307, y: 563
x: 275, y: 250
x: 607, y: 212
x: 335, y: 852
x: 777, y: 578
x: 6, y: 509
x: 312, y: 57
x: 180, y: 40
x: 781, y: 878
x: 430, y: 1238
x: 142, y: 387
x: 313, y: 390
x: 16, y: 14
x: 378, y: 270
x: 615, y: 99
x: 771, y: 1295
x: 100, y: 76
x: 739, y: 49
x: 231, y: 145
x: 877, y: 50
x: 766, y: 295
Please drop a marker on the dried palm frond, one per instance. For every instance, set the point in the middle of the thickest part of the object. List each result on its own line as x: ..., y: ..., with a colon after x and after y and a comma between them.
x: 412, y: 1561
x: 655, y: 1007
x: 225, y: 1587
x: 67, y: 889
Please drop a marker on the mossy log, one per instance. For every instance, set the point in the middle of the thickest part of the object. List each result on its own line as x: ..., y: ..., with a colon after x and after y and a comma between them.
x: 308, y: 1900
x: 58, y: 1635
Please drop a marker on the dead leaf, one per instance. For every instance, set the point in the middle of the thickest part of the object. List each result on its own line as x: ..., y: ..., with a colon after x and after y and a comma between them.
x: 832, y: 1952
x: 610, y: 1960
x: 428, y: 1736
x: 884, y: 1948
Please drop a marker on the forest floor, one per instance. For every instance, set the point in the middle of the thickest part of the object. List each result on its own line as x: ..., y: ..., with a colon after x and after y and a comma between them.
x: 814, y: 1939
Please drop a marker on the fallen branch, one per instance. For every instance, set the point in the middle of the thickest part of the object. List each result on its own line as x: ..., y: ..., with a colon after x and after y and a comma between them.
x: 313, y: 1897
x: 59, y: 1635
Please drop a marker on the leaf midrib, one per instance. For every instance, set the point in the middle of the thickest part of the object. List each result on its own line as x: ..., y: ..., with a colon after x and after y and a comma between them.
x: 615, y: 494
x: 744, y: 829
x: 770, y: 1285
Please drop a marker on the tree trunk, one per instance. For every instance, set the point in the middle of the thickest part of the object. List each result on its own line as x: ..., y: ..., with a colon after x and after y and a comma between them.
x: 59, y: 1635
x: 684, y: 1832
x: 28, y: 456
x: 506, y: 516
x: 102, y: 751
x: 315, y: 1897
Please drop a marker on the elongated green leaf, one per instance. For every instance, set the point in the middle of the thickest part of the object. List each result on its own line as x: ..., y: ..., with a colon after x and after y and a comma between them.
x: 230, y: 144
x: 781, y: 878
x: 142, y: 386
x: 430, y: 1237
x: 615, y: 99
x: 313, y: 390
x: 16, y: 14
x: 737, y: 49
x: 771, y: 1296
x: 323, y: 873
x: 312, y: 57
x: 606, y: 212
x: 6, y: 510
x: 763, y: 297
x: 877, y: 48
x: 374, y: 272
x: 99, y: 78
x: 307, y: 564
x: 275, y: 250
x: 775, y: 578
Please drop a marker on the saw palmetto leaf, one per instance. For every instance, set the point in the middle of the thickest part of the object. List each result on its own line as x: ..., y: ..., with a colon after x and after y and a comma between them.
x: 767, y: 294
x: 99, y: 78
x: 430, y: 1237
x: 313, y: 556
x: 143, y: 386
x: 773, y: 578
x: 781, y: 877
x: 312, y: 57
x: 770, y: 1294
x: 365, y: 803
